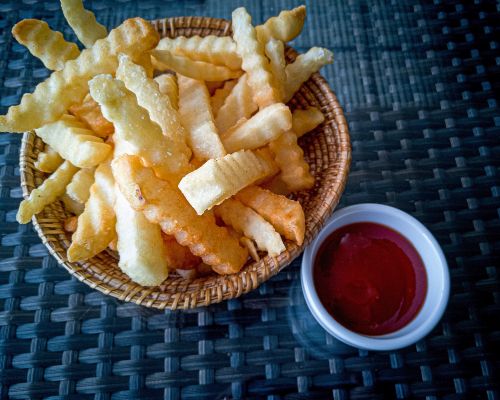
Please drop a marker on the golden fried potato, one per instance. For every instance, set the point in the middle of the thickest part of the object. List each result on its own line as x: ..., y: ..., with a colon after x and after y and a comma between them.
x: 146, y: 62
x: 219, y: 50
x: 220, y: 178
x: 168, y: 85
x: 48, y: 161
x: 46, y: 193
x: 303, y: 67
x: 47, y: 45
x: 147, y: 193
x: 71, y: 205
x: 220, y: 95
x: 250, y: 245
x: 284, y: 214
x: 237, y: 105
x: 246, y: 221
x: 79, y: 187
x: 89, y: 112
x: 254, y: 61
x: 164, y: 60
x: 83, y: 22
x: 196, y: 116
x: 69, y: 85
x: 285, y: 26
x: 96, y: 225
x: 304, y: 121
x: 275, y: 51
x: 74, y: 142
x: 70, y: 224
x: 268, y: 124
x: 157, y: 104
x: 179, y: 257
x: 134, y: 130
x: 290, y: 158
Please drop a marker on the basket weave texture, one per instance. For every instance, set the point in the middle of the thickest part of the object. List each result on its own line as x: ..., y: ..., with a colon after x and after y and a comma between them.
x: 327, y: 151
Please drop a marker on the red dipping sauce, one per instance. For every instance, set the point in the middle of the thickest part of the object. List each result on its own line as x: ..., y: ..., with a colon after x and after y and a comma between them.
x: 370, y: 278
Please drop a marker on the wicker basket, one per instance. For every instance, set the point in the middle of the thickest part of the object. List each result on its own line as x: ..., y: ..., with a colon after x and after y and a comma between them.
x: 327, y: 150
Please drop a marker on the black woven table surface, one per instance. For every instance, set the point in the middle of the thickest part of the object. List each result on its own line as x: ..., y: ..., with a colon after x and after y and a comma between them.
x: 419, y: 84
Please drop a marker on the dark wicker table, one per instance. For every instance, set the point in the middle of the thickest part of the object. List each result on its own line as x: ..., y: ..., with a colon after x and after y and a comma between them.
x: 419, y: 83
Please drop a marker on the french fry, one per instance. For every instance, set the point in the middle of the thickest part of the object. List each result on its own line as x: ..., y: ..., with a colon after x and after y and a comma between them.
x: 70, y: 224
x: 96, y: 225
x: 168, y: 85
x: 83, y: 22
x: 285, y: 27
x: 220, y: 178
x: 303, y: 67
x: 71, y: 205
x: 250, y: 245
x: 304, y: 121
x: 220, y: 95
x: 69, y: 85
x: 284, y: 214
x: 47, y: 45
x: 275, y: 51
x: 140, y: 245
x: 89, y: 112
x: 145, y: 61
x: 246, y: 221
x: 254, y: 61
x: 113, y: 245
x: 179, y: 257
x: 147, y: 193
x: 238, y: 104
x: 157, y: 104
x: 135, y: 131
x: 46, y: 193
x: 74, y: 142
x: 277, y: 186
x: 164, y: 60
x: 79, y: 187
x: 196, y: 116
x: 268, y: 124
x: 212, y: 86
x: 219, y: 50
x: 290, y: 158
x: 48, y: 161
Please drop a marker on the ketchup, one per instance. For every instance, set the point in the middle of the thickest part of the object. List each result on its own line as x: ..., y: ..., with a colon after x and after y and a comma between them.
x: 370, y: 278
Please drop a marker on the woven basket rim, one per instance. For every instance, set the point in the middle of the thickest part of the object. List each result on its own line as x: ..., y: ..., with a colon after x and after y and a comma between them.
x: 211, y: 289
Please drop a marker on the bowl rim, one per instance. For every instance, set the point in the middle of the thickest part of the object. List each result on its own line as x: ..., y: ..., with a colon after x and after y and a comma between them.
x: 435, y: 301
x: 184, y: 294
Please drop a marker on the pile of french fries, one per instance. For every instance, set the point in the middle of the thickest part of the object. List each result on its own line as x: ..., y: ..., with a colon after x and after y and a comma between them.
x: 177, y: 153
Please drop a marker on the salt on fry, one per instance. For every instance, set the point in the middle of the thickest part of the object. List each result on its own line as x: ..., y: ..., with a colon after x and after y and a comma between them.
x: 83, y: 22
x: 246, y: 221
x: 89, y: 112
x: 285, y: 26
x: 79, y: 187
x: 275, y: 51
x: 164, y: 60
x: 46, y: 193
x: 74, y: 142
x: 69, y: 85
x: 96, y: 225
x: 135, y: 130
x: 220, y: 95
x: 268, y: 124
x: 147, y: 193
x: 48, y: 161
x: 304, y: 121
x: 157, y: 104
x: 220, y: 178
x: 47, y: 45
x: 196, y: 116
x: 219, y: 50
x: 290, y: 158
x: 303, y: 67
x: 254, y: 61
x: 167, y: 84
x: 284, y: 214
x: 237, y: 105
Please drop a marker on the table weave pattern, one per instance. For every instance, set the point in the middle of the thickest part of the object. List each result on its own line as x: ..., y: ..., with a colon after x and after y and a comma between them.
x: 419, y: 84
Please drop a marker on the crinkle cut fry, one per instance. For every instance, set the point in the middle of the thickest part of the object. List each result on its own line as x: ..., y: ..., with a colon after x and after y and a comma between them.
x: 47, y: 45
x: 69, y: 85
x: 83, y: 22
x: 205, y: 239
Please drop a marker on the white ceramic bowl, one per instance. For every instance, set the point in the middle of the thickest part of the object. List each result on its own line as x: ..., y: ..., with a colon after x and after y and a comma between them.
x: 438, y: 279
